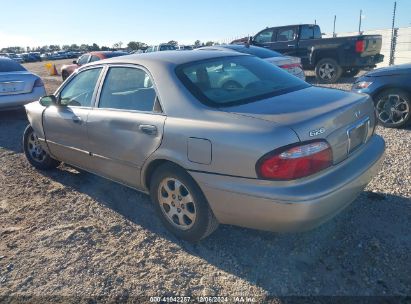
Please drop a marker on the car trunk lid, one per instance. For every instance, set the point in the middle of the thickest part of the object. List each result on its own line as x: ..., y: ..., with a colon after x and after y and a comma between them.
x: 346, y: 120
x: 16, y: 82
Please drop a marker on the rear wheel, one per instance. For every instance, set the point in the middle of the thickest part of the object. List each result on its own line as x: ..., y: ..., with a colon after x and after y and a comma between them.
x: 393, y: 108
x: 181, y: 204
x: 327, y: 70
x: 35, y: 154
x: 351, y: 72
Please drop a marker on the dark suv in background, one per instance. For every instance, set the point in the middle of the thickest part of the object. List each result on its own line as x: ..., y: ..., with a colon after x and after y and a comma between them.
x: 329, y: 57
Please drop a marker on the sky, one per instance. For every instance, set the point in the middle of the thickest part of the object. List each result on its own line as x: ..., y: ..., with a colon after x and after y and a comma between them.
x: 43, y: 22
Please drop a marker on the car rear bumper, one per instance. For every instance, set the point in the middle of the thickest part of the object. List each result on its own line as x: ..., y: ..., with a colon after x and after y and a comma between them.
x: 296, y: 205
x: 369, y: 61
x: 18, y: 100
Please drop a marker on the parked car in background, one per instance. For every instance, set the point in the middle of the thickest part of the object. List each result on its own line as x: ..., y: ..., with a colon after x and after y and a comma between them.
x: 288, y: 63
x: 329, y: 57
x: 17, y: 85
x: 15, y: 57
x: 68, y: 69
x: 185, y: 47
x: 36, y: 55
x: 390, y: 89
x: 277, y: 154
x: 28, y: 57
x: 161, y: 47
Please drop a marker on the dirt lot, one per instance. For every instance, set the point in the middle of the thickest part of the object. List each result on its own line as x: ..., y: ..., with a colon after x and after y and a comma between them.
x: 69, y: 233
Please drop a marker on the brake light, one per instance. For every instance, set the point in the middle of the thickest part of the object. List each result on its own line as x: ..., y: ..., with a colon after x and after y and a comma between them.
x: 290, y: 66
x: 38, y: 83
x: 295, y: 162
x: 360, y: 46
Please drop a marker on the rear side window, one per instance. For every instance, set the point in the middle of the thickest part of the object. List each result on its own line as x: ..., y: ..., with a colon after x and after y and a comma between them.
x: 233, y: 80
x: 127, y: 89
x: 310, y: 32
x: 79, y: 91
x: 8, y: 65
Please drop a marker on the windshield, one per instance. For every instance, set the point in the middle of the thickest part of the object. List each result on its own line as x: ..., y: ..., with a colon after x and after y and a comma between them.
x: 8, y: 65
x: 233, y: 80
x: 254, y: 50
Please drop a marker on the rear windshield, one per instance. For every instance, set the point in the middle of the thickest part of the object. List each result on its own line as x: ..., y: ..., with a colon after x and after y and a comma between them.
x: 256, y: 51
x: 233, y: 80
x: 8, y: 65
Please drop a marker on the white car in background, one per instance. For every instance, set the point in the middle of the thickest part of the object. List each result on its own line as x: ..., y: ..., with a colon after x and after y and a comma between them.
x: 18, y: 86
x: 288, y: 63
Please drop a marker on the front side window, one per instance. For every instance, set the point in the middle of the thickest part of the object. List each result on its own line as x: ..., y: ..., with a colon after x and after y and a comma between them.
x: 94, y: 58
x: 127, y: 88
x: 285, y: 34
x: 233, y: 80
x: 264, y: 36
x: 79, y: 91
x: 83, y: 59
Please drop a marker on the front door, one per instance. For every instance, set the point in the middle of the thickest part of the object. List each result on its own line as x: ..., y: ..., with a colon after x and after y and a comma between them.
x: 65, y: 125
x: 126, y: 126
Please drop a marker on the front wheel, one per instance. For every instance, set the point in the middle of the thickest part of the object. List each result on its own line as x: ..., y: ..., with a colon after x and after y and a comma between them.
x: 327, y: 70
x: 35, y: 154
x: 393, y: 108
x: 181, y: 204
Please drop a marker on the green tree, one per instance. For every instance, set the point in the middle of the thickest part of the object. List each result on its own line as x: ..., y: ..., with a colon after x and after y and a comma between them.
x: 209, y: 43
x: 136, y: 45
x: 197, y: 43
x: 173, y: 42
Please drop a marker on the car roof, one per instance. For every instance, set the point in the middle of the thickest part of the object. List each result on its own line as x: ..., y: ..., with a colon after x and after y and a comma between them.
x: 168, y: 57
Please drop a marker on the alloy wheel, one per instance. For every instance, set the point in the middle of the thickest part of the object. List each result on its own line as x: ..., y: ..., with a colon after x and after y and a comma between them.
x: 177, y: 203
x: 327, y: 71
x: 34, y: 148
x: 392, y: 109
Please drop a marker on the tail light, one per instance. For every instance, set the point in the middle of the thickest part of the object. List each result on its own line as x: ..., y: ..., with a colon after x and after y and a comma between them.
x: 360, y: 46
x: 291, y: 65
x: 38, y: 83
x: 297, y: 161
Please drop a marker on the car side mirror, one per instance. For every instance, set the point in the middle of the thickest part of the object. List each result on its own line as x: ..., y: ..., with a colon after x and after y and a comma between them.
x: 48, y: 100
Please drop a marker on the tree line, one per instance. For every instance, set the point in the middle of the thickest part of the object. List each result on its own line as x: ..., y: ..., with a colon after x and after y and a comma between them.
x: 132, y: 45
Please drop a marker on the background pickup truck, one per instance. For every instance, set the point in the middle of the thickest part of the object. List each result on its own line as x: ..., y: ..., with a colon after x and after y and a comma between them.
x: 331, y: 58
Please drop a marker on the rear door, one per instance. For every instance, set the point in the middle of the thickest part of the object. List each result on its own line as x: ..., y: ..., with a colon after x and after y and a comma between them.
x: 126, y: 126
x: 65, y: 126
x: 285, y: 40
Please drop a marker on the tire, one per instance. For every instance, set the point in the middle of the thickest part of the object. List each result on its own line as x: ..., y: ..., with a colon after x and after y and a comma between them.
x: 185, y: 212
x: 64, y: 75
x: 351, y: 72
x: 39, y: 158
x: 327, y: 70
x: 393, y: 108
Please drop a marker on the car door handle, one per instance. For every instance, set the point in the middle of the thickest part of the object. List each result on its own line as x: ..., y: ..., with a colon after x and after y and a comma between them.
x: 77, y: 120
x: 291, y: 45
x: 148, y: 129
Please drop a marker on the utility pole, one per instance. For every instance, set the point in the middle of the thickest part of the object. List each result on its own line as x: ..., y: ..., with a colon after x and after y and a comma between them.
x: 393, y: 38
x: 359, y: 25
x: 334, y: 34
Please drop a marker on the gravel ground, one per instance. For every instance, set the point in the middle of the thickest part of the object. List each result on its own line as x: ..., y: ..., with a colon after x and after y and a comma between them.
x: 70, y: 233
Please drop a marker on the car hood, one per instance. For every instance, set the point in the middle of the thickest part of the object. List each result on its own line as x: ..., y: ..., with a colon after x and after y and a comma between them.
x: 392, y: 70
